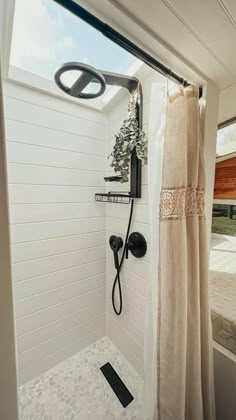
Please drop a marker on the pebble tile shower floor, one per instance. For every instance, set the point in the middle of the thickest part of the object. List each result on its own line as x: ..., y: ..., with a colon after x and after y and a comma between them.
x: 77, y: 390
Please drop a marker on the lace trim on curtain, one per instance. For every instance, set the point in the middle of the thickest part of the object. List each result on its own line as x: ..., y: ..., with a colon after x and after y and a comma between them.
x: 177, y: 203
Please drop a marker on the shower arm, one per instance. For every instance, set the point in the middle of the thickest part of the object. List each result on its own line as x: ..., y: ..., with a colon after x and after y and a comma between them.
x: 115, y: 79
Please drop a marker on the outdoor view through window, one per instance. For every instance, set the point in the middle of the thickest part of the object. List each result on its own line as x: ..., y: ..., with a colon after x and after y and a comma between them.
x: 224, y: 208
x: 222, y: 271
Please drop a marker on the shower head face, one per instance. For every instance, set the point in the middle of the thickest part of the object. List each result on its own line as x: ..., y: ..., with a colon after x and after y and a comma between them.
x: 87, y: 75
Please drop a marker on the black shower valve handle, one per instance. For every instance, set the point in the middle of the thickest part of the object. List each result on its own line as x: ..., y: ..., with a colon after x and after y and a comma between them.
x: 129, y: 247
x: 137, y: 245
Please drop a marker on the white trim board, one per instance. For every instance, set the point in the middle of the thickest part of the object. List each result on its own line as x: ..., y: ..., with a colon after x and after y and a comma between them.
x: 225, y: 157
x: 226, y: 201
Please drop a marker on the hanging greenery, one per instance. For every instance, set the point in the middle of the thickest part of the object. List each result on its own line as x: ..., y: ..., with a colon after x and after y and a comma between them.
x: 129, y: 137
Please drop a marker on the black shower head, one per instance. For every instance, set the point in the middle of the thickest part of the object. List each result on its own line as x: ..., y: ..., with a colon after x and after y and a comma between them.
x: 88, y: 74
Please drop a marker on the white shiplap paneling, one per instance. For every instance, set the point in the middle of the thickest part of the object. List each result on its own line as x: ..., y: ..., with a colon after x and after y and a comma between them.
x: 56, y: 163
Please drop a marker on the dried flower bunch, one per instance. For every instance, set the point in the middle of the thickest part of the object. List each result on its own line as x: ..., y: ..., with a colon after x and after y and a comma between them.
x: 129, y: 137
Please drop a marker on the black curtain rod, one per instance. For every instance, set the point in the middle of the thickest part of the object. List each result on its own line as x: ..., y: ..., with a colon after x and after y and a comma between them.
x: 120, y: 40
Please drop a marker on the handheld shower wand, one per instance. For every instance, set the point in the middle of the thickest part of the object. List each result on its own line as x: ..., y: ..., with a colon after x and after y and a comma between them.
x: 116, y: 243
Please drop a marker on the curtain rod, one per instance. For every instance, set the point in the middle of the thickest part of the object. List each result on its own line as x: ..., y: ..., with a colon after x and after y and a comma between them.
x: 121, y: 40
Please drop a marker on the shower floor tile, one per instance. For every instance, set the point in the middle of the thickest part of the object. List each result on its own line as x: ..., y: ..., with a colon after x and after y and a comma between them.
x: 77, y: 390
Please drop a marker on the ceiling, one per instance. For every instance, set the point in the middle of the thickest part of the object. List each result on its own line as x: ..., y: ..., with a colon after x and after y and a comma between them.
x: 202, y: 32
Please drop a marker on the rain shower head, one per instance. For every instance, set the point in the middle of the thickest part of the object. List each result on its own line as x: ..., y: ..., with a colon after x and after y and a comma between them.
x: 87, y: 75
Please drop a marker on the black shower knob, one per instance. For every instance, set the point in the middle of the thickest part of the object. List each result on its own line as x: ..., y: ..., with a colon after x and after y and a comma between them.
x: 137, y: 245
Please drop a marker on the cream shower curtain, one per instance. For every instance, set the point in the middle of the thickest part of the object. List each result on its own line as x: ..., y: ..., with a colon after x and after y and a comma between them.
x: 184, y: 368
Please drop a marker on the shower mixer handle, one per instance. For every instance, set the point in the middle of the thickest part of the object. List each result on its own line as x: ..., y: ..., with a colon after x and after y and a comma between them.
x: 137, y: 245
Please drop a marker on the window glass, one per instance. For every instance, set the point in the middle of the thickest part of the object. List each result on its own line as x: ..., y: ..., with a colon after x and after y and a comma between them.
x: 226, y: 140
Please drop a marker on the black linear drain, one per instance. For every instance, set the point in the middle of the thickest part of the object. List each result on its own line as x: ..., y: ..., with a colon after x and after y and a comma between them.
x: 117, y: 384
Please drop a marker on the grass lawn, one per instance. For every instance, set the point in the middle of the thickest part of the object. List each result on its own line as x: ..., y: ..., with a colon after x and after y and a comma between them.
x: 224, y: 225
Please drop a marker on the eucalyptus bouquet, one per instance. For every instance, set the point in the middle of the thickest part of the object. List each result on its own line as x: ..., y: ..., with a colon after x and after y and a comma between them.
x: 130, y: 137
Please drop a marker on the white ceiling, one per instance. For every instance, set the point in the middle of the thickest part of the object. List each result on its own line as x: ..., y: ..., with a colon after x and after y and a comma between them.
x: 203, y: 32
x: 196, y: 38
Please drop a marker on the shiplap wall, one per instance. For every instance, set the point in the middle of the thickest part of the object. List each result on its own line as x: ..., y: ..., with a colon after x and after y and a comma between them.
x: 56, y: 162
x: 127, y: 330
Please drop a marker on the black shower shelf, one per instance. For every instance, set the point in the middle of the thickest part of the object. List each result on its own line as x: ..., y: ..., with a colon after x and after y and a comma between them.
x: 110, y: 197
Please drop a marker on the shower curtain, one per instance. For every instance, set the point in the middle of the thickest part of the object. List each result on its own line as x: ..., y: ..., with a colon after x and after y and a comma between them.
x: 183, y: 384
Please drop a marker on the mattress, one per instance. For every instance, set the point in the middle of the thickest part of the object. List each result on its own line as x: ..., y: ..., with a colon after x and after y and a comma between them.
x: 222, y: 278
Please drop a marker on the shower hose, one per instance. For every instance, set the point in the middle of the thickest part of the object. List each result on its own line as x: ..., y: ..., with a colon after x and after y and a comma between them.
x: 117, y: 278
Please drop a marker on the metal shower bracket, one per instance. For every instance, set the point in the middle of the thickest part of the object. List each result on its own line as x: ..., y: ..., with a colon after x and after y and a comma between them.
x: 132, y: 84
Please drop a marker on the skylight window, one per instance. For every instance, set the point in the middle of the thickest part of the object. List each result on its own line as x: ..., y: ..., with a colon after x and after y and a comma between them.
x: 45, y: 35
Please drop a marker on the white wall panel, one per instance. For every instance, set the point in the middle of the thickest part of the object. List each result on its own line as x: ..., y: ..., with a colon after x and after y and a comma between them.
x: 26, y: 213
x: 40, y: 335
x: 56, y: 163
x: 31, y: 250
x: 37, y: 267
x: 64, y: 353
x: 40, y: 284
x: 52, y: 137
x: 18, y: 110
x: 40, y: 194
x: 58, y: 311
x: 43, y: 175
x: 46, y: 299
x: 120, y: 226
x: 29, y: 95
x: 59, y: 341
x: 42, y: 156
x: 55, y: 229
